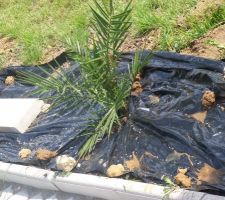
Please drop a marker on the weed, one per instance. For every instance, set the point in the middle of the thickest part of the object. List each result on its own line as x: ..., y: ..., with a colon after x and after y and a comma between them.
x: 216, y: 44
x: 169, y: 189
x: 61, y: 174
x: 160, y: 14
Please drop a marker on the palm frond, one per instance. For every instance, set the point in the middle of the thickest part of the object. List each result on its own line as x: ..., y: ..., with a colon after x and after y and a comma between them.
x: 64, y: 89
x: 98, y: 82
x: 110, y: 28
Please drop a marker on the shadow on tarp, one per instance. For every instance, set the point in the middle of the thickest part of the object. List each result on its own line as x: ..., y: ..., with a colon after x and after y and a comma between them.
x: 161, y: 135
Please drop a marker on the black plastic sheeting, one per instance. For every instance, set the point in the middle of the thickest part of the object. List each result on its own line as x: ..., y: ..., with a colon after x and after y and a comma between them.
x: 154, y: 132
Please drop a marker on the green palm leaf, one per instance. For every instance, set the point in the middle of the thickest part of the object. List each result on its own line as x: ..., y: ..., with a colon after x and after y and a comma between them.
x: 98, y: 82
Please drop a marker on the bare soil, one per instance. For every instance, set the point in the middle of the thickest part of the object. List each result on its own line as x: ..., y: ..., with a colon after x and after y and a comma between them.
x: 148, y: 42
x: 136, y: 89
x: 200, y: 116
x: 209, y: 175
x: 182, y: 179
x: 9, y: 51
x: 10, y: 80
x: 25, y: 153
x: 51, y: 52
x: 208, y: 98
x: 210, y: 45
x: 45, y: 154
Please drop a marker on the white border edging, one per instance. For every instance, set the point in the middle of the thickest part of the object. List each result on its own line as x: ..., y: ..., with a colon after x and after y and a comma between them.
x: 95, y: 186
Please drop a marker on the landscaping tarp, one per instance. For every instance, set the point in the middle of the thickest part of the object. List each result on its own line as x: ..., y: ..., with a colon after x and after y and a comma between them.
x: 163, y: 131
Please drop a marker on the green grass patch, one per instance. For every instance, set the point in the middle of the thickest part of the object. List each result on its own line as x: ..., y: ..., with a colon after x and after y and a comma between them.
x: 153, y: 14
x: 178, y: 38
x: 163, y: 15
x: 39, y: 24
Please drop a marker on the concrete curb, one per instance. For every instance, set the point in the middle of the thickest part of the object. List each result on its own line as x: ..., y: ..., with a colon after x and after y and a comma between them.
x: 95, y: 186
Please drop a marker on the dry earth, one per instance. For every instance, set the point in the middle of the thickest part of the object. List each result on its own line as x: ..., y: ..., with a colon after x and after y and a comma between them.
x: 148, y: 42
x: 10, y: 51
x: 211, y: 45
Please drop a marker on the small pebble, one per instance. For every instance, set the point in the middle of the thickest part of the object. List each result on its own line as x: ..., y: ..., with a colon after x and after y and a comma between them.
x: 10, y: 80
x: 154, y: 99
x: 24, y: 153
x: 65, y: 163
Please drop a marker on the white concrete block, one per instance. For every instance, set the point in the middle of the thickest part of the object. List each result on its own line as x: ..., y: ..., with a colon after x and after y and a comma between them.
x: 16, y: 115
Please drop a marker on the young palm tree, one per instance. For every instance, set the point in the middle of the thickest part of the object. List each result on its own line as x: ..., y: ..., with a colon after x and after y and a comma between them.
x: 99, y: 81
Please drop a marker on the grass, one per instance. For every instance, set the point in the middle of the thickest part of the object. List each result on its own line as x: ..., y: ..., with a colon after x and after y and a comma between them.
x: 153, y: 14
x: 163, y: 15
x: 37, y: 25
x: 179, y: 38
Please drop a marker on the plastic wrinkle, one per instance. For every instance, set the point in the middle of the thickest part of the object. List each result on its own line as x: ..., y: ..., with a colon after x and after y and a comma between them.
x: 158, y: 129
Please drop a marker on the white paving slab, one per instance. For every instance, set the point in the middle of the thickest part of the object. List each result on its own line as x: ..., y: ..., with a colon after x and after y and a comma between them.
x: 16, y: 115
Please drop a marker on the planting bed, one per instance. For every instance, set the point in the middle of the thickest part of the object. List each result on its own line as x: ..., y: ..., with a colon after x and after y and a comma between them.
x: 174, y: 130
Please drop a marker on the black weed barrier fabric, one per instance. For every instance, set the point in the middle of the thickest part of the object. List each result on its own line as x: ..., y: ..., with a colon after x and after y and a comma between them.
x: 162, y: 134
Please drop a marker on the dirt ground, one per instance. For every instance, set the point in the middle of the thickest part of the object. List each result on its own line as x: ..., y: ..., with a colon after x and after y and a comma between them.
x: 148, y: 42
x: 211, y: 45
x: 52, y: 52
x: 10, y: 51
